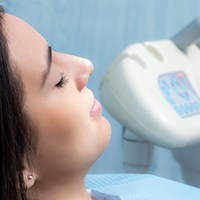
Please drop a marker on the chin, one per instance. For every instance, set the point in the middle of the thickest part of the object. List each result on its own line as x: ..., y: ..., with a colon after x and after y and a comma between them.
x: 108, y: 128
x: 105, y: 133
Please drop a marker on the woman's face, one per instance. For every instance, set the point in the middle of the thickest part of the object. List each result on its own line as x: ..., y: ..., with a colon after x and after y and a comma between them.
x: 71, y: 131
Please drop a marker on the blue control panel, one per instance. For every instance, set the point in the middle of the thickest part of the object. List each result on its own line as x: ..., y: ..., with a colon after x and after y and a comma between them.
x: 179, y: 93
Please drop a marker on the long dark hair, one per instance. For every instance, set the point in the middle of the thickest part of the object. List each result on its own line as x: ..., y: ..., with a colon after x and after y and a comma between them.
x: 15, y: 128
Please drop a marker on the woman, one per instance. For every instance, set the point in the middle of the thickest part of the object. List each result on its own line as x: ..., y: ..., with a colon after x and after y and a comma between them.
x: 52, y: 129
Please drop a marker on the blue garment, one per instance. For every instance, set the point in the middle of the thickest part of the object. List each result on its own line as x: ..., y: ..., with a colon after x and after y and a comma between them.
x: 138, y: 187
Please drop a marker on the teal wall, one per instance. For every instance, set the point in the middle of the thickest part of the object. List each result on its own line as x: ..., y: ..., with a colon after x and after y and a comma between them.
x: 100, y: 30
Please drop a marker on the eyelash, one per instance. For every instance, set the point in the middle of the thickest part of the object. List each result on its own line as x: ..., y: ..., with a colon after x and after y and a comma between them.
x: 64, y: 79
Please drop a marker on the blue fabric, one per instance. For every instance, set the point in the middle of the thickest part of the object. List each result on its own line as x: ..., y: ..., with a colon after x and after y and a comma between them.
x: 139, y: 187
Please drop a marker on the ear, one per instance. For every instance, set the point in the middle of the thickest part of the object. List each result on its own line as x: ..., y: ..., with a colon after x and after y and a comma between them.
x: 29, y: 178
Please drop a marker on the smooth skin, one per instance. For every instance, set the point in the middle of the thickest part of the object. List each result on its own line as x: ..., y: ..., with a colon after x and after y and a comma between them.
x: 69, y: 139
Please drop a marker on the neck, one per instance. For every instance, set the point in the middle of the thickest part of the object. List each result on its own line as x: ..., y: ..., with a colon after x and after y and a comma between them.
x: 73, y: 189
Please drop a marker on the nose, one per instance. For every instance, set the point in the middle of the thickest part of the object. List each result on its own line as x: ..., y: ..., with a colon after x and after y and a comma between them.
x: 83, y: 73
x: 78, y: 68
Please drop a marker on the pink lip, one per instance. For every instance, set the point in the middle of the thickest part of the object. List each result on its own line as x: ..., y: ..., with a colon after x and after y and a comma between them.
x: 96, y: 109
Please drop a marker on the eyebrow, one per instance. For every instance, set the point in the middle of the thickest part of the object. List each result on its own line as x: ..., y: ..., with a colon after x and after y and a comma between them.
x: 49, y: 61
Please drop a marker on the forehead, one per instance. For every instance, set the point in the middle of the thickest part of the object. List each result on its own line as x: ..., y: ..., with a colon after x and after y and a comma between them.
x: 27, y: 48
x: 22, y: 38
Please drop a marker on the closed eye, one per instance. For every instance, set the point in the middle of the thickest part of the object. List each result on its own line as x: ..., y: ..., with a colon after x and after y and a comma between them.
x: 63, y: 80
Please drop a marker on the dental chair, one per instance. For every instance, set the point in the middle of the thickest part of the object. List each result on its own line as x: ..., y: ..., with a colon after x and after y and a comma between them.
x: 138, y: 187
x: 153, y: 90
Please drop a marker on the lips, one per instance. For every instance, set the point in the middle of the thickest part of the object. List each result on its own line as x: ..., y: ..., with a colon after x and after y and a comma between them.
x: 96, y: 109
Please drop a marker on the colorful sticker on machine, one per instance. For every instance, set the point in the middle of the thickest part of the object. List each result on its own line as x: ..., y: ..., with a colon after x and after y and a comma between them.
x: 179, y: 93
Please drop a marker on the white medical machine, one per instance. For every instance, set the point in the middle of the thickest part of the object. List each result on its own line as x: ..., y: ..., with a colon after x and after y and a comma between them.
x: 153, y: 90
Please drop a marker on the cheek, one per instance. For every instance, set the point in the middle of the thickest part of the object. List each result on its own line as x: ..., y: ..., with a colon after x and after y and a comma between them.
x: 66, y: 117
x: 66, y: 133
x: 62, y: 130
x: 62, y: 119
